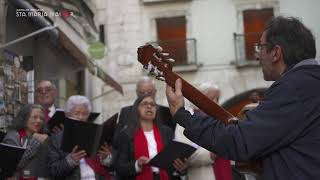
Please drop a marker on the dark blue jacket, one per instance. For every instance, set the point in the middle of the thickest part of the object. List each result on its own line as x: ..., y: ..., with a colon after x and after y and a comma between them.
x: 284, y: 130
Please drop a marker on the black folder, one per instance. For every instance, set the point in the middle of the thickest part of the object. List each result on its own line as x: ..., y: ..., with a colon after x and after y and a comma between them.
x: 109, y: 127
x: 169, y: 153
x: 10, y: 156
x: 57, y: 119
x: 59, y: 116
x: 88, y: 136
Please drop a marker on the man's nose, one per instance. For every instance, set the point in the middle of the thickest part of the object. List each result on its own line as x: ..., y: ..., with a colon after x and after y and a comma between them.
x: 39, y: 119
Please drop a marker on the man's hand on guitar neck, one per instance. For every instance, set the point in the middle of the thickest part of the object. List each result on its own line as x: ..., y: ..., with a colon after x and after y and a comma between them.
x: 175, y: 97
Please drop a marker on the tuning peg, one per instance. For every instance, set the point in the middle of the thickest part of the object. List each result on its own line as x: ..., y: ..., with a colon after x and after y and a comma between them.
x: 161, y: 78
x: 156, y: 56
x: 145, y: 68
x: 165, y: 54
x: 156, y: 72
x: 171, y: 60
x: 159, y: 49
x: 149, y: 67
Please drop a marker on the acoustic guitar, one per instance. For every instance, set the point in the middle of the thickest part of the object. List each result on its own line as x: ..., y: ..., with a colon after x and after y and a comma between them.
x: 159, y: 64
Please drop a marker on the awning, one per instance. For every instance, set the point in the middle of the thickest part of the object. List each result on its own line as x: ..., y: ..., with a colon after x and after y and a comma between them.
x: 85, y: 61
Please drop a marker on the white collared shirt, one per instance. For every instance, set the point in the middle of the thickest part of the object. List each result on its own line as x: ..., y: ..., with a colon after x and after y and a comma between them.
x: 86, y: 171
x: 152, y: 147
x: 52, y: 110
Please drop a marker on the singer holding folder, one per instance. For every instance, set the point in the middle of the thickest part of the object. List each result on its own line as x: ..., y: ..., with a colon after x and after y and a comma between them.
x: 76, y: 165
x: 27, y: 131
x: 141, y: 142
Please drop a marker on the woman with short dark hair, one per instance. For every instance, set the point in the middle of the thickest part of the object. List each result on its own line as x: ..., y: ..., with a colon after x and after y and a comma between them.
x: 27, y: 131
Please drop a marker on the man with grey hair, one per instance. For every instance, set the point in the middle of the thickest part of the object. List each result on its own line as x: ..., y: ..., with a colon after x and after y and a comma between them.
x: 212, y: 91
x: 45, y: 95
x: 145, y: 86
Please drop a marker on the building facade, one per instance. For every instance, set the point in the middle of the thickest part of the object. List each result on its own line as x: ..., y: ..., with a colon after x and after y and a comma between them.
x: 212, y: 41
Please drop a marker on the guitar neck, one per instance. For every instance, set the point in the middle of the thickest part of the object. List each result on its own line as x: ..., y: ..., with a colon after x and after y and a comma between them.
x: 200, y: 100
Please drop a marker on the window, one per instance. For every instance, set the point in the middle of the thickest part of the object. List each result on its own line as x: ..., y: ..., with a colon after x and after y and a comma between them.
x: 254, y: 22
x: 171, y: 33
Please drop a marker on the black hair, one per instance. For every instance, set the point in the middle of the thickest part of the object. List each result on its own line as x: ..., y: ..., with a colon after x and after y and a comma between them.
x: 136, y: 117
x: 295, y: 39
x: 20, y: 121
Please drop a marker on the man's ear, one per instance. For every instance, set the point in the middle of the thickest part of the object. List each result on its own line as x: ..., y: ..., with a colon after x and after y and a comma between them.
x: 276, y: 53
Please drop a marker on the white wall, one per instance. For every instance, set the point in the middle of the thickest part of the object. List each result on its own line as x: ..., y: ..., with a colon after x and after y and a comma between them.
x: 213, y: 25
x: 308, y: 12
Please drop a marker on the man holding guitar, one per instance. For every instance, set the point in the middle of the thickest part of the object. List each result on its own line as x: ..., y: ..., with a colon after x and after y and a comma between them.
x: 284, y: 130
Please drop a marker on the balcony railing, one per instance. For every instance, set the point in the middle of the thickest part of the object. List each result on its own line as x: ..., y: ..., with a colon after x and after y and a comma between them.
x: 244, y: 50
x: 183, y: 51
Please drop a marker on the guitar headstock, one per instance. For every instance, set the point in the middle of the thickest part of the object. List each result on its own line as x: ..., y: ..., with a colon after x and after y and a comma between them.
x: 159, y: 64
x: 155, y: 61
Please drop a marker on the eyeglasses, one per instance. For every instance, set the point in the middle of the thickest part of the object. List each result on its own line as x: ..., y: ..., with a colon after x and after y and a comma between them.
x: 80, y: 115
x: 140, y: 93
x: 44, y: 90
x: 145, y: 104
x: 36, y: 117
x: 259, y: 46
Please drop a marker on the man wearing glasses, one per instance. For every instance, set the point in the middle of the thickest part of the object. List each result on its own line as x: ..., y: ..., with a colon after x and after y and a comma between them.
x: 46, y: 94
x: 284, y: 129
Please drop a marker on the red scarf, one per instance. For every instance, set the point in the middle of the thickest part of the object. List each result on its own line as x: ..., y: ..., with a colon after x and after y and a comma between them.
x: 22, y: 135
x: 222, y: 169
x: 46, y: 115
x: 141, y: 149
x: 95, y: 164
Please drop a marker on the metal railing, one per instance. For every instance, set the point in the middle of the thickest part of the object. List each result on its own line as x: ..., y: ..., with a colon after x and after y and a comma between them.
x: 183, y: 51
x: 244, y: 50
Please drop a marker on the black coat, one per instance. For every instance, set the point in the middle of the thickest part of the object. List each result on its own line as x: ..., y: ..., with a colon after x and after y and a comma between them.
x: 59, y: 168
x: 284, y: 130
